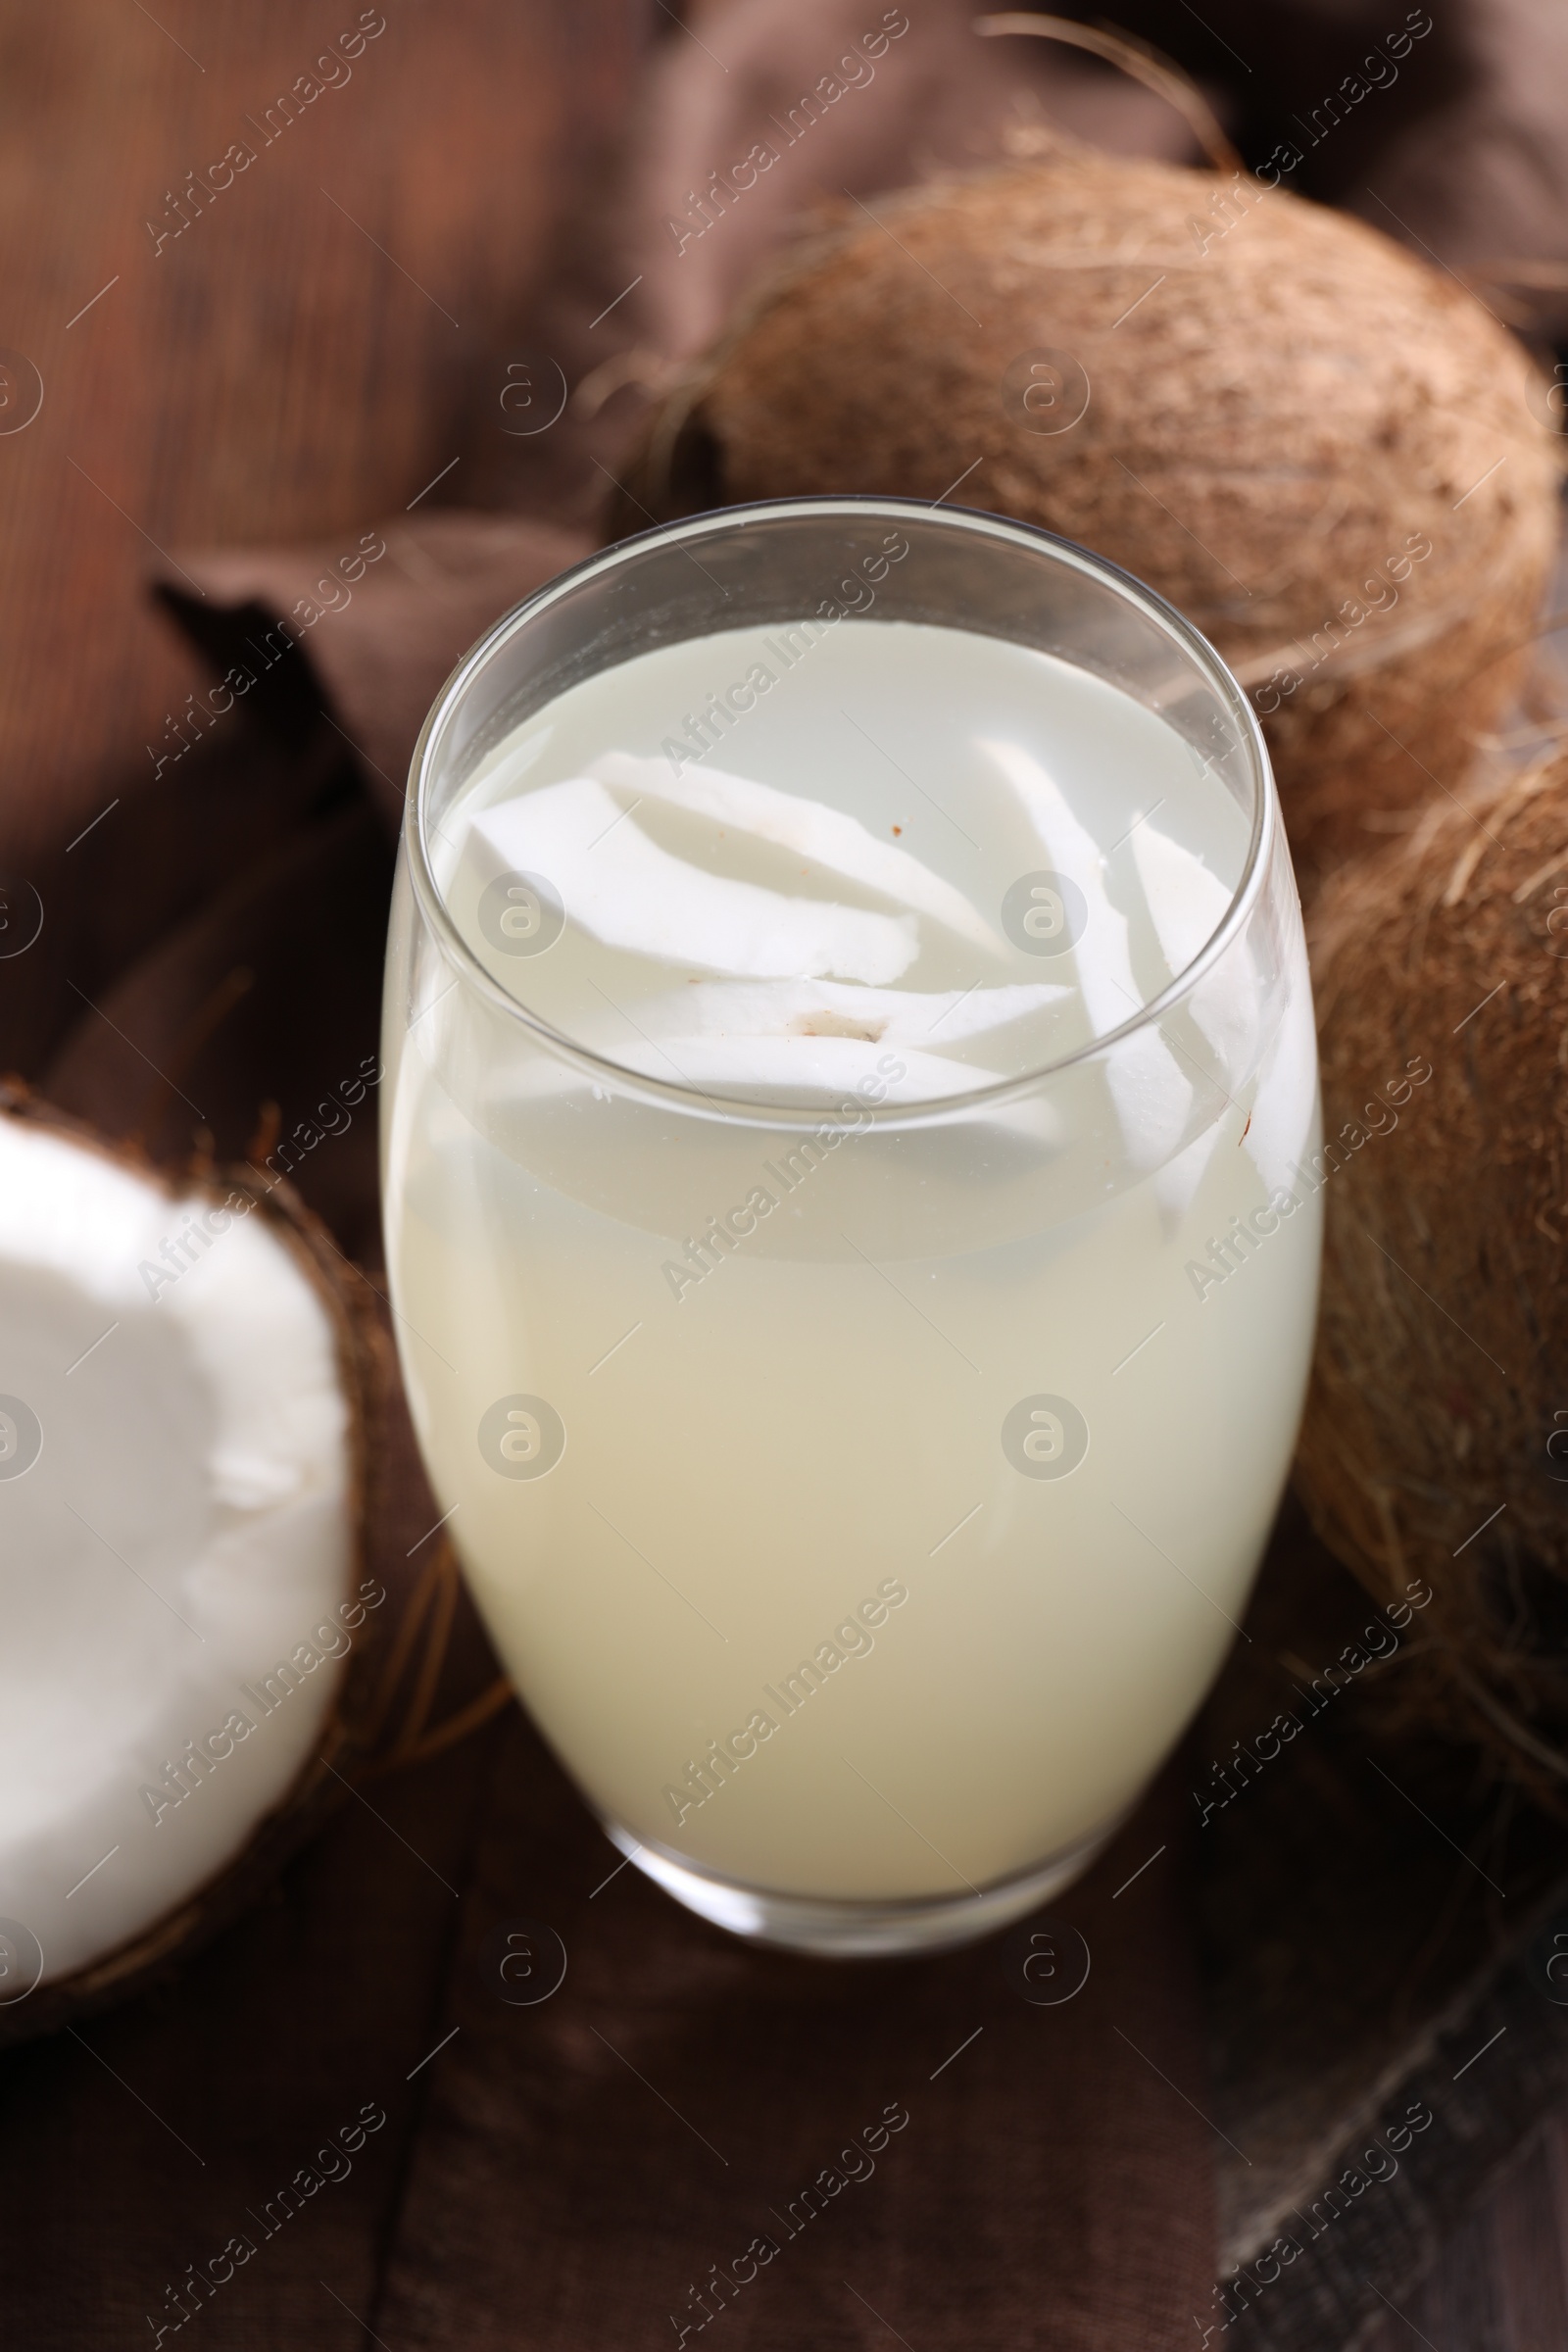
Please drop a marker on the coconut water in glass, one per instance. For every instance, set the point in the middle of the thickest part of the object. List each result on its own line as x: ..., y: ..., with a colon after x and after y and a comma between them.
x: 850, y: 1088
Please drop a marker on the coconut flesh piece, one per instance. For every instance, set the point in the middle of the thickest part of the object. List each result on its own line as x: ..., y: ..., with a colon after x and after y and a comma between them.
x: 801, y: 1008
x: 800, y: 1002
x: 806, y: 828
x: 822, y: 1009
x: 829, y: 1070
x: 178, y: 1540
x: 827, y: 1037
x: 1188, y: 905
x: 623, y: 889
x: 1152, y: 1095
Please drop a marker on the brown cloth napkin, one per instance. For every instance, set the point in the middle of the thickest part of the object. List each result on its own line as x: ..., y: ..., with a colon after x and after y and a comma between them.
x: 592, y: 2168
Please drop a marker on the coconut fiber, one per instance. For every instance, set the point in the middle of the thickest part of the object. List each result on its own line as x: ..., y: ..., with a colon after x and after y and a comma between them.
x: 1436, y: 1438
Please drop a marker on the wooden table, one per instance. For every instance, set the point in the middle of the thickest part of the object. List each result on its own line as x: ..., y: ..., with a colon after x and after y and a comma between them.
x: 288, y: 348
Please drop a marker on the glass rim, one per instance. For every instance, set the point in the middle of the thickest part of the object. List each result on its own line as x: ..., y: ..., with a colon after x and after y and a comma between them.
x: 923, y: 1110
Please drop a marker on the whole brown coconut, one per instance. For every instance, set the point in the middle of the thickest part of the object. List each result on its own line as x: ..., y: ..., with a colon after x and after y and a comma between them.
x: 1436, y: 1442
x: 1329, y: 456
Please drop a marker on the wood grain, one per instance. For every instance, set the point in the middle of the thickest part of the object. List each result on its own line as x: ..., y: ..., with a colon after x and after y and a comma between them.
x: 300, y: 360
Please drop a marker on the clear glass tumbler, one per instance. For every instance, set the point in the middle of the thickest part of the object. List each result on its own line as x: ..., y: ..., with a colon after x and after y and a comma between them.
x: 861, y: 1481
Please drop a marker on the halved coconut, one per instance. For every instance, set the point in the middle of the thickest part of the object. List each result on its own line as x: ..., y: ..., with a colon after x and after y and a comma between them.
x: 183, y: 1378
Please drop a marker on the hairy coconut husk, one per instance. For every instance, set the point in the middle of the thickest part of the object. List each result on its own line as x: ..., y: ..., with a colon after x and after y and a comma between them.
x: 1282, y: 406
x: 1436, y: 1440
x: 378, y: 1718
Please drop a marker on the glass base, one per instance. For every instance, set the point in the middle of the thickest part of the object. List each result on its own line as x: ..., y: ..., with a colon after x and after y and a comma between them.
x: 843, y: 1930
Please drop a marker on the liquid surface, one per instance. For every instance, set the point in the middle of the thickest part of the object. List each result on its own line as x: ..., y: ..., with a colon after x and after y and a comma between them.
x: 908, y: 836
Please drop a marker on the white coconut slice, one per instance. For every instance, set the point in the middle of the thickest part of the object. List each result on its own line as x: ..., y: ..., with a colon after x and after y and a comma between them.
x: 1286, y: 1103
x: 803, y: 828
x: 179, y: 1572
x: 1154, y: 1097
x: 937, y: 1019
x: 627, y: 891
x: 1187, y: 904
x: 816, y: 1069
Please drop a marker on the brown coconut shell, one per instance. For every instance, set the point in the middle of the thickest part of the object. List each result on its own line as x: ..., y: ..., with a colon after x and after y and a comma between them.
x: 1281, y: 404
x: 1436, y: 1440
x: 385, y: 1683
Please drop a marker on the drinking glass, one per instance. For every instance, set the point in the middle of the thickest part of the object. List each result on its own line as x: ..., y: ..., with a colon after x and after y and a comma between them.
x: 860, y: 1559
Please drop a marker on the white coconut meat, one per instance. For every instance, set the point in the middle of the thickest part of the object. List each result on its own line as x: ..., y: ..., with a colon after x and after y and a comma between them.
x: 818, y: 1008
x: 176, y: 1539
x: 1152, y: 1095
x: 803, y: 827
x: 627, y: 891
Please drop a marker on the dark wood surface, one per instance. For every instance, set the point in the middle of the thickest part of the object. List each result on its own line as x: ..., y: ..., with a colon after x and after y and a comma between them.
x: 297, y: 364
